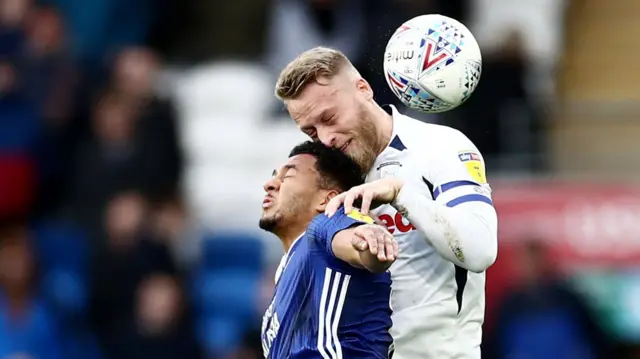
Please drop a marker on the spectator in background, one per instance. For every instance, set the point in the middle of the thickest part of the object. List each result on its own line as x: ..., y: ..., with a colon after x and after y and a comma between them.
x: 50, y: 80
x: 19, y: 119
x: 161, y: 327
x: 27, y: 328
x: 131, y: 256
x: 543, y: 318
x: 134, y: 142
x: 298, y: 25
x: 48, y: 70
x: 107, y: 163
x: 134, y: 77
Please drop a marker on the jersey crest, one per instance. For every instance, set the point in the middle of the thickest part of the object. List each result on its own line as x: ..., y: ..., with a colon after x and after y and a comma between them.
x: 389, y: 169
x: 474, y: 165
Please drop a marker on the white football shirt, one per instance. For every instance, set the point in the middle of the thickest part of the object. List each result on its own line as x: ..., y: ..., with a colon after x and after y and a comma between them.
x: 438, y: 305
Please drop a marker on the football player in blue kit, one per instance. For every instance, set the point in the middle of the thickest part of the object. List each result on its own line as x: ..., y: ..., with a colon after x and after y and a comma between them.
x: 331, y: 298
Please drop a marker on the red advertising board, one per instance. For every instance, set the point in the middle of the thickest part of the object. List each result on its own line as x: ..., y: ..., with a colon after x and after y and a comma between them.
x: 583, y: 225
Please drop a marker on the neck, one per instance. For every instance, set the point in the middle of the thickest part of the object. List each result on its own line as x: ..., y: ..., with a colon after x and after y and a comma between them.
x: 384, y: 125
x: 290, y: 235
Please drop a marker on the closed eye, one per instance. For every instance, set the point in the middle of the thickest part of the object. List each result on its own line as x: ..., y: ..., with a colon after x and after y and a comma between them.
x: 329, y: 120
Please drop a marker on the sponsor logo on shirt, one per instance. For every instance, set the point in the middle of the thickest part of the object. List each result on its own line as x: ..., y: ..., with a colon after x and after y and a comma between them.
x: 396, y: 223
x: 474, y: 165
x: 355, y: 214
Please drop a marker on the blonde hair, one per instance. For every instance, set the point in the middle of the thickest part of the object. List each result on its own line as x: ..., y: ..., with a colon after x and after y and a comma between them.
x: 307, y: 68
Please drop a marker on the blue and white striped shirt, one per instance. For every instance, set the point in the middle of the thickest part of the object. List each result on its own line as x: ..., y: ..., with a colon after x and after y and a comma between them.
x: 324, y: 308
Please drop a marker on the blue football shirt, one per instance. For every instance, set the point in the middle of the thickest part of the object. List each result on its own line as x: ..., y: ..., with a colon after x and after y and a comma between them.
x: 323, y: 307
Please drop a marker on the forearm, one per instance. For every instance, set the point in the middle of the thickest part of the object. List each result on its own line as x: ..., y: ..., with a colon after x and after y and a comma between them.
x: 465, y: 235
x: 371, y: 263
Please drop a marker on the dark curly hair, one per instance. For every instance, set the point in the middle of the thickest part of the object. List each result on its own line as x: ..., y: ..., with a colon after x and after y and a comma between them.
x: 335, y: 169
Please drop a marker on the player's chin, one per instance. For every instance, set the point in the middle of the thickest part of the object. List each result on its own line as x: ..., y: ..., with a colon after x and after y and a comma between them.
x: 267, y: 222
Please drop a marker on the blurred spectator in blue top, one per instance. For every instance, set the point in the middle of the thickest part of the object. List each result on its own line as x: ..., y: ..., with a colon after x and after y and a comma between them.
x: 27, y: 328
x: 18, y: 118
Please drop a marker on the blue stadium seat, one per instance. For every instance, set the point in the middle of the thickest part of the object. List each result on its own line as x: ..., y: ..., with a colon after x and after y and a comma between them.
x: 225, y: 289
x: 220, y: 335
x: 233, y: 250
x: 233, y: 292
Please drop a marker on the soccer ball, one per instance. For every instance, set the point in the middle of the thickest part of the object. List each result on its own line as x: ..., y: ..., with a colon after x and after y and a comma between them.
x: 432, y: 63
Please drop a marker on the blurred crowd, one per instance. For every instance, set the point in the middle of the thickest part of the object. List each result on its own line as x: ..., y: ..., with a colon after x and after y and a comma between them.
x: 101, y: 255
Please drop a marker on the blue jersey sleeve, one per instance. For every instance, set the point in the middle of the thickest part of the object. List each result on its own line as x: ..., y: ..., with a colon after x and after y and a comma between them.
x: 322, y: 228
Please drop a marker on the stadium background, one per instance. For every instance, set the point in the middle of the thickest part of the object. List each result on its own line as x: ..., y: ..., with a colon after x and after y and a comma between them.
x: 135, y: 136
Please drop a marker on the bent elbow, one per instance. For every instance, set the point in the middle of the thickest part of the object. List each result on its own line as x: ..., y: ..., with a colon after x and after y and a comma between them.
x: 485, y: 237
x: 482, y: 261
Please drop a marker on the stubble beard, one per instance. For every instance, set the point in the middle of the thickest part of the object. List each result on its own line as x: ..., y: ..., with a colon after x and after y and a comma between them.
x: 270, y: 223
x: 366, y: 152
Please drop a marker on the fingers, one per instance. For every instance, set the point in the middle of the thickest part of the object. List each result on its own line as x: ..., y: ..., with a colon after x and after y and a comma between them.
x: 334, y: 204
x: 346, y: 199
x: 367, y: 199
x: 359, y: 244
x: 378, y: 241
x: 349, y: 198
x: 390, y: 246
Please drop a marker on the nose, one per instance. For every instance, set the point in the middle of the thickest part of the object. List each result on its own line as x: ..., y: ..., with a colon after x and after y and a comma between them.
x: 327, y: 138
x: 271, y: 185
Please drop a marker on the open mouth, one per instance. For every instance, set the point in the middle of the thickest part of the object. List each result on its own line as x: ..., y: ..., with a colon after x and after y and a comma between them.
x: 267, y: 202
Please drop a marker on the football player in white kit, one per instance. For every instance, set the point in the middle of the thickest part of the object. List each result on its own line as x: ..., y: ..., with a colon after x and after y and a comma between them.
x: 430, y: 180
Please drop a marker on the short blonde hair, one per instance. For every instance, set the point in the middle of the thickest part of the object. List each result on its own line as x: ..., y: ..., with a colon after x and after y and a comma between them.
x: 307, y: 68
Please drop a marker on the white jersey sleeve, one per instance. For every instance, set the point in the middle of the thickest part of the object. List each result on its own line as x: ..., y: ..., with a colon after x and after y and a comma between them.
x: 457, y: 217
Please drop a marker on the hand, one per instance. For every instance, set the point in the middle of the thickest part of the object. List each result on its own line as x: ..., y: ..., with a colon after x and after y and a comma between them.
x: 382, y: 191
x: 377, y: 240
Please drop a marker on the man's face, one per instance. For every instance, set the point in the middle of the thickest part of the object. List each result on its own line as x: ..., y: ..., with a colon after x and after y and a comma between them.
x: 334, y: 111
x: 291, y: 194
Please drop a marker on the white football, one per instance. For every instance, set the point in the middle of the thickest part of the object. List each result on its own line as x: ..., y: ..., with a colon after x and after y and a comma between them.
x: 432, y: 63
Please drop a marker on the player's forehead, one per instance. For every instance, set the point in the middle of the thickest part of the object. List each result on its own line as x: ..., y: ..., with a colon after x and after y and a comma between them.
x: 301, y: 164
x: 314, y: 100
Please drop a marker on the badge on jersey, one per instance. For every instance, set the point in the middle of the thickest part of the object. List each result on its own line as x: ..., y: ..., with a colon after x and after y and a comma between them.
x: 389, y: 169
x: 474, y: 165
x: 355, y: 214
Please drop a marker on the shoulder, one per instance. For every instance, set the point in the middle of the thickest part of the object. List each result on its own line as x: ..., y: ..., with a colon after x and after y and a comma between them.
x: 420, y: 136
x: 322, y: 221
x: 441, y: 153
x: 325, y: 228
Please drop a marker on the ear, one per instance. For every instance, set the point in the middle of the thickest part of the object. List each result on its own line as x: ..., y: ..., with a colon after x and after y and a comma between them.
x: 325, y: 197
x: 364, y: 88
